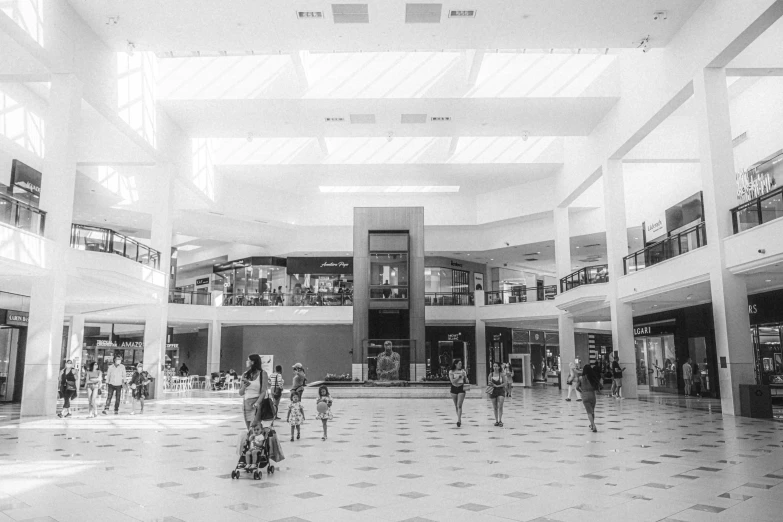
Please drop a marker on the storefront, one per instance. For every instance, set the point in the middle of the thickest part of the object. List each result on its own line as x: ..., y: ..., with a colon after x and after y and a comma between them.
x: 320, y: 280
x: 250, y: 280
x: 13, y: 345
x: 664, y: 342
x: 447, y: 344
x: 102, y: 342
x: 509, y: 344
x: 766, y: 325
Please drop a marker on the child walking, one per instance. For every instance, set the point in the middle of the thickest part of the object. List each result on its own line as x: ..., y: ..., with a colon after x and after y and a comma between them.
x: 325, y: 414
x: 295, y: 415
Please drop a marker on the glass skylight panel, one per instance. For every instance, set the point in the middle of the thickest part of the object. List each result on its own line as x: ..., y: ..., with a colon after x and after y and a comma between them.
x: 399, y: 189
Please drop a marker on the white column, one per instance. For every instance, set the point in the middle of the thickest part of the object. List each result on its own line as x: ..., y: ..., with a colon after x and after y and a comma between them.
x: 729, y: 292
x: 47, y: 295
x: 481, y: 353
x: 75, y: 342
x: 213, y: 347
x: 617, y: 248
x: 156, y: 323
x: 565, y: 323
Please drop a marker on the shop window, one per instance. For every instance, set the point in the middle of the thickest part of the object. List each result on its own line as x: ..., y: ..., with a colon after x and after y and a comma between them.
x: 389, y: 266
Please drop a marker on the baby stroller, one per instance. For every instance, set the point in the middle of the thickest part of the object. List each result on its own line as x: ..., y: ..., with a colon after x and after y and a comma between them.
x: 270, y: 450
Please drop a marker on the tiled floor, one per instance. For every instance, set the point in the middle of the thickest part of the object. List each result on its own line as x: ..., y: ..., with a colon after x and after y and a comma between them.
x: 400, y: 460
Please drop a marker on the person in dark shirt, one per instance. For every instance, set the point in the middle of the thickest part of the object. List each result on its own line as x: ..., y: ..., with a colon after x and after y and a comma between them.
x: 617, y: 378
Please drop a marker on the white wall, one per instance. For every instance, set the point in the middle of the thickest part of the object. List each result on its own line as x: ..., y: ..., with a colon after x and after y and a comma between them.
x: 759, y: 112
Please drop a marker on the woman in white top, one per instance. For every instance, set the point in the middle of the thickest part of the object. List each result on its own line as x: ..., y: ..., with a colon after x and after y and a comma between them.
x: 253, y: 389
x: 572, y: 381
x: 459, y: 378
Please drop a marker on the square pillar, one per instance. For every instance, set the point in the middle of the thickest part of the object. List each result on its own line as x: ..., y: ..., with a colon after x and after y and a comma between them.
x: 75, y: 344
x: 215, y: 330
x: 47, y: 296
x: 729, y: 291
x: 481, y: 353
x: 565, y: 323
x: 156, y: 320
x: 617, y: 248
x: 565, y: 328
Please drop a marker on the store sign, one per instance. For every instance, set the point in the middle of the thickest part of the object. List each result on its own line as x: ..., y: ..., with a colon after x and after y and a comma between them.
x: 454, y: 263
x: 25, y: 177
x: 132, y: 344
x: 752, y: 183
x: 202, y: 281
x: 654, y: 329
x: 497, y: 337
x: 478, y: 281
x: 320, y: 265
x: 100, y: 342
x: 765, y: 308
x: 172, y: 346
x: 655, y: 227
x: 16, y: 318
x: 454, y: 337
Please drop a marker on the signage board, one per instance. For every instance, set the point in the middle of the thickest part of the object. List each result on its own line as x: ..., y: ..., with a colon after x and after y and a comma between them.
x: 454, y: 337
x: 17, y: 318
x: 454, y: 263
x: 765, y: 308
x: 654, y: 227
x: 478, y: 281
x: 686, y: 212
x: 654, y: 329
x: 760, y: 178
x: 25, y: 177
x: 320, y: 265
x: 202, y: 281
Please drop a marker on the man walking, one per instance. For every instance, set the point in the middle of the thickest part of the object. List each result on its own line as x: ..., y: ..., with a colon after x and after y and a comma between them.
x: 687, y: 376
x: 115, y: 377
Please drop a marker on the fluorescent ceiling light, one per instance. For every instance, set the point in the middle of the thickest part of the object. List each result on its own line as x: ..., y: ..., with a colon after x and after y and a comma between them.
x: 389, y: 189
x: 188, y: 248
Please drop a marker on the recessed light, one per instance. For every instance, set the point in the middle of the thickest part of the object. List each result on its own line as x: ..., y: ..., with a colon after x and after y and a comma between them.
x: 492, y: 259
x: 768, y: 281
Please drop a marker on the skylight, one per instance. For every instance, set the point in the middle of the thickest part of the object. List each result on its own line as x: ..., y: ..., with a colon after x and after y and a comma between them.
x: 391, y: 189
x: 188, y: 248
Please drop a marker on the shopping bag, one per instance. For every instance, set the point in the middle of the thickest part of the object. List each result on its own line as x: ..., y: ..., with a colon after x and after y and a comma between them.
x: 275, y: 451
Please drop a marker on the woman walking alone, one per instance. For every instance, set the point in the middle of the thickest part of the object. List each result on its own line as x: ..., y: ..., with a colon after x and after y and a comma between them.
x: 255, y: 383
x: 496, y: 388
x: 572, y: 382
x: 92, y: 381
x: 589, y: 384
x: 67, y: 388
x: 458, y: 378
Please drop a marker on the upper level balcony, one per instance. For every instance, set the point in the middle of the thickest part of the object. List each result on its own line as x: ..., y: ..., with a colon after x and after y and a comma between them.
x: 588, y: 275
x: 21, y: 215
x: 97, y: 239
x: 283, y: 299
x: 520, y: 295
x: 672, y: 246
x: 758, y: 211
x: 449, y: 299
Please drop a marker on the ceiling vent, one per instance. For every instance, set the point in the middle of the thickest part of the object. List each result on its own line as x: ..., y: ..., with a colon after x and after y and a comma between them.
x: 593, y: 245
x: 350, y: 14
x: 440, y: 118
x: 531, y: 259
x: 334, y: 119
x: 363, y: 119
x: 310, y: 15
x: 462, y: 13
x: 422, y: 13
x: 413, y: 118
x: 739, y: 139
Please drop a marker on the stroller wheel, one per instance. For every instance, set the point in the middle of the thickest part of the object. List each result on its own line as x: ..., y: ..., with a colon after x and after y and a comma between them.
x: 233, y: 475
x: 256, y: 475
x: 271, y: 469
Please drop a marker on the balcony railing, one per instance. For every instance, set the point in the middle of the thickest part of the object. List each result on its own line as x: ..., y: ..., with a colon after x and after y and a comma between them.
x: 588, y: 275
x: 546, y: 293
x: 275, y: 299
x: 448, y: 299
x: 21, y: 215
x: 190, y: 298
x: 388, y: 292
x: 97, y: 239
x: 758, y: 211
x: 673, y: 246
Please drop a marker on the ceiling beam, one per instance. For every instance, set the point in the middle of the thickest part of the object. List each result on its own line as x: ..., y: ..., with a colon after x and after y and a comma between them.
x: 324, y: 146
x: 755, y: 71
x: 453, y: 145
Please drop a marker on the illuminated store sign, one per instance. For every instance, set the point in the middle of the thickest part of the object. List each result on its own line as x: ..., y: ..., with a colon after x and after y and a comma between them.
x: 320, y: 265
x: 752, y: 184
x: 202, y: 281
x: 25, y: 177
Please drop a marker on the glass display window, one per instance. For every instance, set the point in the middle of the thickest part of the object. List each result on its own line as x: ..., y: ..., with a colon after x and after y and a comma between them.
x: 768, y: 354
x: 656, y: 363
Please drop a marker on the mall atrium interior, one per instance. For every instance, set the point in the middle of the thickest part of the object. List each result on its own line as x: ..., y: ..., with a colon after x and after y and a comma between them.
x: 358, y: 222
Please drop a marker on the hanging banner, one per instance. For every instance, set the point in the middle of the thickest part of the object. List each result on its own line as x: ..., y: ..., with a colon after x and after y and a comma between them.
x: 478, y: 281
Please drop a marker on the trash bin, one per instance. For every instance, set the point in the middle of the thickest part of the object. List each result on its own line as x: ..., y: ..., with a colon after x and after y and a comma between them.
x: 755, y: 401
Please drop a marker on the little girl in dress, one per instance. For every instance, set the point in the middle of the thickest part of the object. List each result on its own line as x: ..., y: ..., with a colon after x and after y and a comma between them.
x: 323, y: 396
x: 295, y: 415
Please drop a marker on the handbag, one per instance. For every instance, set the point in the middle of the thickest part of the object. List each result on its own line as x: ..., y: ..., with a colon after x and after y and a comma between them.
x: 70, y: 386
x: 266, y: 410
x: 489, y: 390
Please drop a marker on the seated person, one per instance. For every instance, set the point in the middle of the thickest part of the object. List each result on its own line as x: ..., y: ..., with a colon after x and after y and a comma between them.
x: 255, y: 445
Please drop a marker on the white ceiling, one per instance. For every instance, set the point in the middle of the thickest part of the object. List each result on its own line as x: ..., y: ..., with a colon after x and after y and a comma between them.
x: 243, y: 25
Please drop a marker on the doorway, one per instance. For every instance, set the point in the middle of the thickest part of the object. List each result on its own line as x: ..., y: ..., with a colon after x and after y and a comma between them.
x: 13, y: 345
x: 517, y: 362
